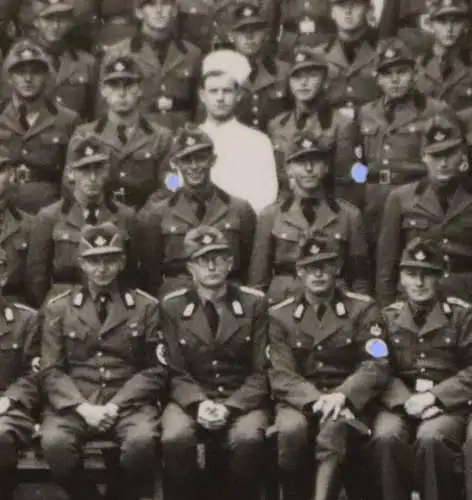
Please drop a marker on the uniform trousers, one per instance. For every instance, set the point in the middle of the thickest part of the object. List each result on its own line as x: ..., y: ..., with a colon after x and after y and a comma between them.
x: 64, y: 435
x: 412, y: 455
x: 243, y: 440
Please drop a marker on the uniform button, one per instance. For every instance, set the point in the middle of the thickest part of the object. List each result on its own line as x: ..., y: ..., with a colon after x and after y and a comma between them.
x: 422, y: 355
x: 163, y: 87
x: 58, y: 98
x: 214, y: 362
x: 445, y: 241
x: 24, y: 151
x: 319, y: 347
x: 469, y: 92
x: 348, y: 341
x: 299, y: 344
x: 421, y: 340
x: 99, y: 354
x: 385, y: 162
x: 422, y: 370
x: 182, y: 342
x: 72, y: 335
x: 255, y: 122
x: 349, y: 89
x: 217, y: 375
x: 469, y: 403
x: 228, y: 225
x: 255, y: 109
x: 255, y: 97
x: 104, y: 385
x: 15, y: 346
x: 193, y: 10
x: 134, y: 333
x: 122, y: 174
x: 387, y: 147
x: 221, y: 389
x: 446, y: 258
x: 321, y: 364
x: 102, y: 369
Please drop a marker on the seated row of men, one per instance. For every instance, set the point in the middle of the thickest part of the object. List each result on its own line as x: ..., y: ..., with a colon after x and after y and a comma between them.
x: 383, y: 392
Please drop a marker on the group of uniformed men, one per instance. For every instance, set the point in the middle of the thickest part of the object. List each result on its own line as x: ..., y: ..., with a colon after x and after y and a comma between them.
x: 199, y: 200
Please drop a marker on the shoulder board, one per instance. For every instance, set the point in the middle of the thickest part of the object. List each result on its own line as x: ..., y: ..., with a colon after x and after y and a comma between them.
x: 396, y: 306
x: 147, y: 295
x: 252, y: 291
x: 455, y: 301
x: 358, y: 296
x: 176, y: 293
x: 60, y: 296
x: 24, y: 307
x: 284, y: 303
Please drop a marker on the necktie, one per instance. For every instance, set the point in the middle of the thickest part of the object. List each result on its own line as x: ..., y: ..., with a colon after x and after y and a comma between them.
x: 121, y: 131
x: 390, y: 111
x: 91, y: 214
x: 102, y: 306
x: 302, y: 119
x: 320, y: 310
x: 445, y: 66
x: 22, y: 117
x: 201, y: 208
x: 420, y: 317
x: 212, y: 316
x: 309, y: 209
x: 350, y: 50
x: 253, y: 73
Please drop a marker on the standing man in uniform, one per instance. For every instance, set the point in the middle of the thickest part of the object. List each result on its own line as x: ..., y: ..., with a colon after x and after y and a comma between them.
x: 52, y: 263
x: 19, y: 387
x: 390, y: 131
x: 329, y: 362
x: 100, y: 371
x: 245, y: 163
x: 264, y: 94
x: 445, y: 71
x: 140, y: 147
x: 438, y: 206
x: 312, y: 111
x: 198, y: 202
x: 416, y: 441
x: 35, y: 129
x: 309, y: 208
x: 171, y: 65
x: 216, y: 333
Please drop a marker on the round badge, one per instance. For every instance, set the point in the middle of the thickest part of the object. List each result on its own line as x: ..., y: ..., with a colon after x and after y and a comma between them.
x: 161, y: 354
x: 36, y: 364
x: 377, y: 348
x: 267, y: 352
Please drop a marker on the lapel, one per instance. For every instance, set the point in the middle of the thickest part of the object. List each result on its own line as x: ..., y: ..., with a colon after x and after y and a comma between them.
x: 460, y: 201
x: 263, y: 79
x: 405, y: 320
x: 5, y: 327
x: 197, y: 323
x: 217, y: 209
x: 324, y: 216
x: 230, y: 324
x: 183, y: 210
x: 363, y: 58
x: 109, y: 136
x: 428, y: 202
x: 294, y: 217
x: 173, y: 58
x: 10, y: 118
x: 435, y: 321
x: 337, y: 57
x: 378, y: 113
x: 135, y: 142
x: 75, y: 217
x: 118, y: 313
x: 66, y: 69
x: 10, y: 226
x: 406, y: 114
x: 44, y: 121
x: 87, y: 312
x: 330, y: 323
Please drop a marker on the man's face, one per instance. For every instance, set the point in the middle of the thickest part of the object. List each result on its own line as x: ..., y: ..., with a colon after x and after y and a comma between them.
x: 7, y: 178
x: 122, y: 95
x: 158, y: 17
x: 211, y: 270
x: 444, y: 166
x: 420, y: 285
x: 305, y: 84
x: 195, y: 168
x: 448, y: 30
x: 89, y: 181
x: 396, y: 80
x: 28, y: 80
x: 308, y: 171
x: 319, y: 278
x: 220, y: 95
x: 350, y: 15
x: 54, y: 27
x: 249, y: 40
x: 102, y: 270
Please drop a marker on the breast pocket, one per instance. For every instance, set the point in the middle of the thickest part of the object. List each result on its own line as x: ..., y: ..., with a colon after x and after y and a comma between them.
x: 141, y: 169
x: 179, y: 84
x: 286, y: 243
x: 11, y: 354
x: 414, y: 226
x: 173, y: 236
x: 276, y: 99
x: 137, y: 343
x: 66, y: 244
x: 73, y: 92
x: 370, y: 137
x: 402, y: 350
x: 231, y: 228
x: 76, y: 346
x: 405, y: 144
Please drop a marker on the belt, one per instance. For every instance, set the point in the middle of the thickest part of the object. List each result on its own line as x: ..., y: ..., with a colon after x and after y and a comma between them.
x: 387, y: 176
x: 176, y: 273
x: 27, y: 175
x: 120, y: 20
x: 284, y: 268
x: 163, y: 104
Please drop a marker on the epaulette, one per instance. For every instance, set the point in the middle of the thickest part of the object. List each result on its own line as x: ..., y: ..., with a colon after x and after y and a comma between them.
x: 396, y: 306
x: 174, y: 294
x: 455, y: 301
x: 252, y: 291
x: 359, y: 296
x: 147, y: 295
x: 24, y: 307
x: 60, y: 296
x: 284, y: 303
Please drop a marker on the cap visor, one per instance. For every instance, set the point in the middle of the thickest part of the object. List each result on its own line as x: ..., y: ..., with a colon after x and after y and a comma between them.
x: 308, y: 152
x: 413, y: 264
x: 250, y: 22
x: 102, y: 251
x: 321, y: 257
x: 307, y: 65
x: 400, y: 61
x: 122, y: 76
x: 56, y: 9
x: 98, y: 158
x: 442, y: 147
x: 447, y: 11
x: 38, y: 62
x: 191, y: 149
x: 210, y: 248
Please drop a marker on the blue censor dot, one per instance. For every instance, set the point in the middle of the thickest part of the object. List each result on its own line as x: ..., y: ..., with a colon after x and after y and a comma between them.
x: 359, y: 173
x: 172, y: 182
x: 377, y: 348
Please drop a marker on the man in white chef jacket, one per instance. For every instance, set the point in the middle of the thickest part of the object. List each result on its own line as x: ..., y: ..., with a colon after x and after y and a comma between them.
x: 245, y: 164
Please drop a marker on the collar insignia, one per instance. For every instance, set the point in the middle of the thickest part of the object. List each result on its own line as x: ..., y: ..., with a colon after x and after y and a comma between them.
x: 340, y: 309
x: 189, y: 309
x: 237, y: 308
x: 299, y: 311
x: 78, y: 299
x: 129, y: 301
x: 9, y: 316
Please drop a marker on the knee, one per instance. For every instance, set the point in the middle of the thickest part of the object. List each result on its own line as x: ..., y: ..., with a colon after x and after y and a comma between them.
x: 292, y: 441
x: 59, y: 451
x: 138, y: 448
x: 428, y: 437
x: 8, y: 448
x: 177, y: 435
x: 247, y: 435
x: 387, y: 438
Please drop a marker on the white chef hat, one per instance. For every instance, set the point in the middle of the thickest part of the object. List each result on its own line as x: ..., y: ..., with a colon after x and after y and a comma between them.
x: 229, y: 62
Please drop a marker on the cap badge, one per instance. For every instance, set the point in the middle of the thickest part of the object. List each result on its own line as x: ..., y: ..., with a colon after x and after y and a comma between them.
x: 314, y: 249
x: 119, y: 66
x: 100, y: 241
x: 439, y: 136
x: 300, y: 57
x: 390, y: 53
x: 53, y: 2
x: 89, y: 151
x: 190, y: 141
x: 376, y: 330
x: 248, y: 12
x: 307, y: 143
x: 420, y: 255
x: 447, y: 3
x: 207, y: 239
x: 26, y: 54
x: 340, y: 309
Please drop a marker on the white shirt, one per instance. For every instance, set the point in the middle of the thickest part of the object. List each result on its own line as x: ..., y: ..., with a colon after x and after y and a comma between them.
x: 245, y: 164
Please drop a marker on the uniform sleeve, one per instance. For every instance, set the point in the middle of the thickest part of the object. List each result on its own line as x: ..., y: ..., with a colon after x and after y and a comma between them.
x: 357, y: 265
x: 255, y: 390
x: 456, y: 391
x: 389, y: 248
x: 246, y: 243
x: 146, y: 386
x: 25, y: 390
x: 39, y: 261
x: 260, y: 268
x: 373, y: 372
x: 184, y: 390
x: 344, y: 148
x: 264, y: 174
x: 138, y: 258
x: 287, y: 384
x: 163, y: 150
x: 396, y: 394
x: 59, y: 387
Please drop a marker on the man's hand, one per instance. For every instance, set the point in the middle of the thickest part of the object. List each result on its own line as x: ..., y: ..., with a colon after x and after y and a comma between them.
x: 329, y: 406
x: 92, y: 414
x: 431, y: 412
x: 5, y: 405
x: 109, y: 417
x: 418, y: 403
x: 210, y: 415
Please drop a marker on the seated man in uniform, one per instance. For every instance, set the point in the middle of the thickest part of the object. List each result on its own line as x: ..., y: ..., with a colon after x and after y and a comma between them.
x: 428, y: 400
x: 329, y: 363
x: 216, y: 333
x: 103, y: 370
x: 19, y: 387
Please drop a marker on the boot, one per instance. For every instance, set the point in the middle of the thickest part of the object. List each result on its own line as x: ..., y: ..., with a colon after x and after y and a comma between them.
x: 328, y: 484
